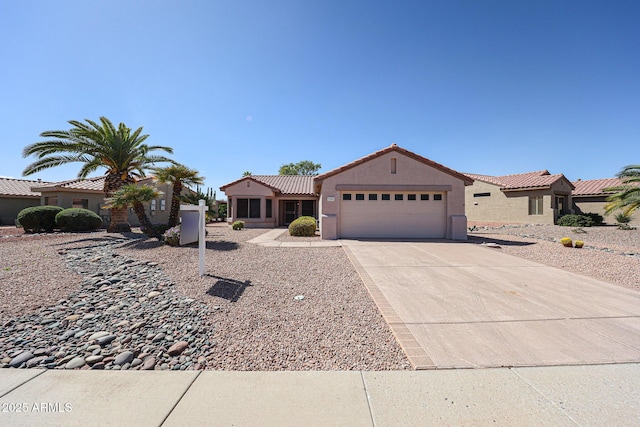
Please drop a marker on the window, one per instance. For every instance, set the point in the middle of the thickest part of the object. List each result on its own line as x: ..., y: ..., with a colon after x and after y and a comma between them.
x: 535, y: 205
x: 398, y: 197
x: 373, y: 196
x: 254, y: 208
x: 51, y: 200
x: 437, y: 197
x: 248, y: 208
x: 359, y: 196
x: 424, y: 197
x: 163, y: 204
x: 481, y: 194
x: 80, y: 203
x: 346, y: 196
x: 153, y: 205
x: 386, y: 197
x: 269, y: 208
x: 393, y: 166
x: 411, y: 197
x: 308, y: 208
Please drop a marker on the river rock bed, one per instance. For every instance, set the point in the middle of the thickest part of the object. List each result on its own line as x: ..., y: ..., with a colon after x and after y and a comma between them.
x: 127, y: 315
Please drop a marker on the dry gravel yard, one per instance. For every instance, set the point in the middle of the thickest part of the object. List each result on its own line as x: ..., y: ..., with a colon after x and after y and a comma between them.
x: 288, y: 308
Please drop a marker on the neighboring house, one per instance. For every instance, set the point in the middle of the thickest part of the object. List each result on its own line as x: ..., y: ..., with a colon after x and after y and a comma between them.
x: 270, y: 200
x: 525, y: 198
x: 15, y: 195
x: 392, y: 193
x: 589, y: 196
x: 89, y: 194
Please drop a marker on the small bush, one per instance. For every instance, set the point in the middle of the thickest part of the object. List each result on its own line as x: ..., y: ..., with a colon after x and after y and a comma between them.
x: 39, y: 218
x: 596, y: 219
x: 303, y: 226
x: 78, y: 219
x: 623, y: 219
x: 172, y: 236
x: 238, y: 225
x: 161, y: 228
x: 566, y: 241
x: 575, y: 221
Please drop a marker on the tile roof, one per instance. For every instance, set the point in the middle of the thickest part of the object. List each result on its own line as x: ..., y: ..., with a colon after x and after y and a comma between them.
x: 294, y: 185
x: 394, y: 147
x: 594, y: 187
x: 537, y: 179
x: 19, y: 187
x: 89, y: 184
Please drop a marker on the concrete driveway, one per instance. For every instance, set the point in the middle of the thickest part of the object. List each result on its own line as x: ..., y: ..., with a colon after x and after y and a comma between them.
x: 454, y: 305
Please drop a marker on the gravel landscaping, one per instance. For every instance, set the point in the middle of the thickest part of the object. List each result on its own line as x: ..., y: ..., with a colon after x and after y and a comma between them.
x: 110, y: 301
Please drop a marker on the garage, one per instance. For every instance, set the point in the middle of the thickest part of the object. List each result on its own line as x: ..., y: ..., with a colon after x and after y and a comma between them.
x: 392, y: 214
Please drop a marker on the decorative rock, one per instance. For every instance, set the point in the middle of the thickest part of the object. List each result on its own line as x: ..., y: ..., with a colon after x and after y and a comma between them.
x: 105, y: 340
x: 98, y: 335
x: 94, y: 359
x: 74, y: 363
x: 124, y: 357
x: 20, y: 359
x: 177, y: 348
x: 149, y: 363
x: 153, y: 294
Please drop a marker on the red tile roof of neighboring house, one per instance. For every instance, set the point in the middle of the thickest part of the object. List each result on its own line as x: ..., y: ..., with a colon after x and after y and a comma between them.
x: 294, y: 185
x: 19, y: 187
x: 394, y: 147
x: 537, y: 179
x: 89, y: 184
x: 594, y: 187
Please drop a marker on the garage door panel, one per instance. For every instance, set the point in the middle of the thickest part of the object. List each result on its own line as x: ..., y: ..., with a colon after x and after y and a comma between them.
x: 393, y: 218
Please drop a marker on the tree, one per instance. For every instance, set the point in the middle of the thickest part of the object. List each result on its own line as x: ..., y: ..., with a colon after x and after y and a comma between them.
x: 209, y: 200
x: 121, y: 151
x: 135, y: 195
x: 178, y: 175
x: 305, y: 167
x: 627, y: 196
x: 246, y: 173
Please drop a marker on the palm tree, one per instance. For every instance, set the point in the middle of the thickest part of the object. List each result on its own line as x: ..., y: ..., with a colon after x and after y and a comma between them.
x: 178, y: 175
x: 98, y: 145
x: 135, y: 195
x: 627, y: 196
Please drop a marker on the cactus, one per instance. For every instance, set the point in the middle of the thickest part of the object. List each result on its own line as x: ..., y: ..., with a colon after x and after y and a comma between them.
x: 579, y: 244
x: 566, y: 241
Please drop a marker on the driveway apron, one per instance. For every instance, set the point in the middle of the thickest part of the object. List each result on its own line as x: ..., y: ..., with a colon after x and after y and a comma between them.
x: 463, y: 305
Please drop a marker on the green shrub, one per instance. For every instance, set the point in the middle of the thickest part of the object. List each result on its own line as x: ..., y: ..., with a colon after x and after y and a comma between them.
x: 161, y: 228
x: 238, y: 225
x: 575, y: 221
x: 621, y: 218
x: 303, y: 226
x: 78, y: 219
x: 39, y: 218
x: 597, y: 219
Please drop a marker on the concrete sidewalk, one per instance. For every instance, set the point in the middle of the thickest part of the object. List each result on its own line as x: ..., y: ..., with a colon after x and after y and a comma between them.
x: 270, y: 239
x: 595, y: 395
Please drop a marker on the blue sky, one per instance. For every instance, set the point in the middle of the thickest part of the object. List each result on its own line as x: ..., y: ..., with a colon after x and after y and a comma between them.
x: 489, y: 87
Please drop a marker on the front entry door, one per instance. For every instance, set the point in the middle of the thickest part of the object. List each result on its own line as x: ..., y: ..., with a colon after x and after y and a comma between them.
x: 289, y: 212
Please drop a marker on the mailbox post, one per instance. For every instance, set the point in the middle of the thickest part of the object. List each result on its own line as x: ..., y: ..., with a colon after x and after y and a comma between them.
x: 193, y: 228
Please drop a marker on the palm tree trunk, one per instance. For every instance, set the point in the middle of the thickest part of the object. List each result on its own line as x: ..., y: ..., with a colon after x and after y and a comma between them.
x: 175, y: 204
x: 119, y: 216
x: 145, y: 223
x: 119, y: 221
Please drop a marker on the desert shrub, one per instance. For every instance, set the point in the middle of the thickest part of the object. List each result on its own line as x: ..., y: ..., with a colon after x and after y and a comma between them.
x: 172, y: 236
x: 575, y: 221
x: 39, y: 218
x: 566, y: 241
x: 596, y: 219
x: 238, y: 225
x: 303, y: 226
x: 78, y: 219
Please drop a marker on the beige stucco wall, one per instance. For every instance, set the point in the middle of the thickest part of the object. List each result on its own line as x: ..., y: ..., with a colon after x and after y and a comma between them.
x: 249, y: 189
x: 409, y: 172
x: 10, y: 207
x: 513, y: 206
x: 595, y: 204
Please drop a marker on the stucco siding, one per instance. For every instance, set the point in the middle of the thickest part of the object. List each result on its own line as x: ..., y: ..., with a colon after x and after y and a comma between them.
x: 10, y: 207
x: 595, y: 204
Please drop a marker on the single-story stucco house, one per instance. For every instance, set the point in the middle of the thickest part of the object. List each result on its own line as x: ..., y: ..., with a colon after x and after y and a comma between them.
x: 16, y: 195
x: 526, y: 198
x: 392, y: 193
x: 589, y: 196
x: 88, y: 194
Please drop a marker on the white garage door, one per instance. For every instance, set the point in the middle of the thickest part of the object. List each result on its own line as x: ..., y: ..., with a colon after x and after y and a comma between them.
x: 392, y: 215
